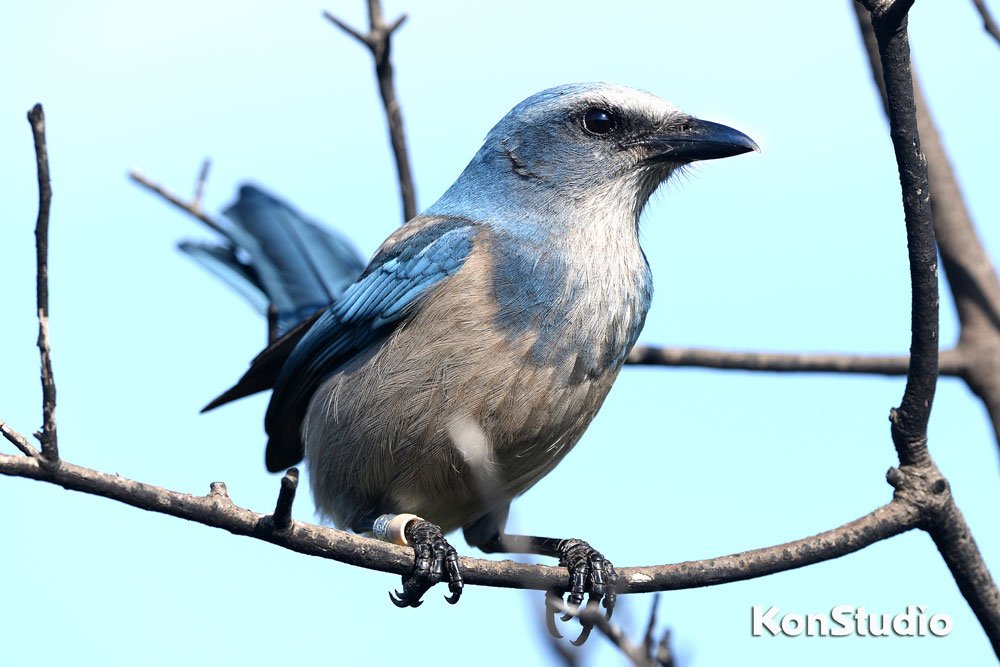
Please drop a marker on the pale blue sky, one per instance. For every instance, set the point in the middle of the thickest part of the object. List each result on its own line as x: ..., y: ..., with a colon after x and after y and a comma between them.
x: 799, y: 248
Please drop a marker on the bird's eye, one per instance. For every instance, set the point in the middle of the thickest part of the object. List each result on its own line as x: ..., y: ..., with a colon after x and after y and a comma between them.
x: 599, y: 121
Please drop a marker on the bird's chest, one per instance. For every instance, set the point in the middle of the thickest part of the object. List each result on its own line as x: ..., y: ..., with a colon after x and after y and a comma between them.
x: 582, y: 301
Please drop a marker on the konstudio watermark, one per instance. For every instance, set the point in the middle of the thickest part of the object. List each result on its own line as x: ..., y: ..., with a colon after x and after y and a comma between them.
x: 845, y: 620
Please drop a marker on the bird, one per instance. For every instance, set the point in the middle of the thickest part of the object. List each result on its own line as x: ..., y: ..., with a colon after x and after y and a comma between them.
x: 471, y: 353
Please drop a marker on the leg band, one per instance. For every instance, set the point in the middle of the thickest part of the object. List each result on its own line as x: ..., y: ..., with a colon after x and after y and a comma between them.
x: 390, y: 527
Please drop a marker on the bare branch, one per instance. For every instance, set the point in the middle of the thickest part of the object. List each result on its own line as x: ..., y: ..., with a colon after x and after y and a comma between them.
x: 48, y: 437
x: 379, y: 42
x: 971, y: 277
x: 657, y: 651
x: 909, y: 420
x: 199, y: 186
x: 952, y: 361
x: 192, y: 207
x: 364, y: 39
x: 17, y: 440
x: 958, y: 548
x: 887, y: 521
x: 989, y: 25
x: 282, y: 516
x: 944, y: 521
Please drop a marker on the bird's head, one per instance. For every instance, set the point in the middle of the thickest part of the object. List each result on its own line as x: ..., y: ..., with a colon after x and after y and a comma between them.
x: 591, y: 142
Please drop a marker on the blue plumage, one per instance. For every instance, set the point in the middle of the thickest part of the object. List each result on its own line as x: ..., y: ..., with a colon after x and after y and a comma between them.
x: 272, y: 255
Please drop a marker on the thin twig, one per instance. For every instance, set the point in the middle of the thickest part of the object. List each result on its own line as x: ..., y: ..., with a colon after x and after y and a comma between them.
x: 952, y: 361
x: 648, y: 639
x: 989, y: 25
x: 199, y: 185
x: 191, y: 207
x: 17, y: 440
x: 379, y: 42
x: 49, y: 438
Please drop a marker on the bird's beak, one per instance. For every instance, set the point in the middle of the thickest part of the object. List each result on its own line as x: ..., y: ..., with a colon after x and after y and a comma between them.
x: 698, y: 140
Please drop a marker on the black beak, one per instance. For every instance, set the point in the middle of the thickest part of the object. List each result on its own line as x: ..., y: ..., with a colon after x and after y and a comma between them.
x: 698, y: 140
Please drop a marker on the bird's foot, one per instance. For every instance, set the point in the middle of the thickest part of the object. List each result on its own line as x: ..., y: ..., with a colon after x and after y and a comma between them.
x: 433, y: 560
x: 590, y: 574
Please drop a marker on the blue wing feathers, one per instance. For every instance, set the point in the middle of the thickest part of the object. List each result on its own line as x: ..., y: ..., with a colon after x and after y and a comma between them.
x: 392, y: 285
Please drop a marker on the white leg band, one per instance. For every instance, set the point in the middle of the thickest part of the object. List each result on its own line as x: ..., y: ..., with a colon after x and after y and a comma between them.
x: 391, y: 527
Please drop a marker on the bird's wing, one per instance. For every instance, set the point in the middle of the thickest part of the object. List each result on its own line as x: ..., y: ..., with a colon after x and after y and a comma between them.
x: 273, y: 255
x: 411, y: 263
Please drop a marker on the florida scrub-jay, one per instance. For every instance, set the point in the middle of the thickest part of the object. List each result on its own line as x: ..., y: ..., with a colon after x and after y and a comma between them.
x: 480, y: 341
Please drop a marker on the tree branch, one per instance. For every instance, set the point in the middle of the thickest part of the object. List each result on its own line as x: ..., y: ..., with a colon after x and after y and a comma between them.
x: 909, y: 420
x: 48, y: 436
x: 192, y: 207
x: 971, y: 278
x: 952, y: 361
x: 989, y: 25
x: 17, y: 440
x: 216, y: 510
x: 379, y: 42
x: 199, y: 185
x: 282, y: 516
x: 943, y: 521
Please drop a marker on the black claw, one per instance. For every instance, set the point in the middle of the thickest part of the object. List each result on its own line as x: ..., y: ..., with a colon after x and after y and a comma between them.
x: 400, y: 600
x: 550, y: 613
x: 433, y: 560
x: 591, y: 576
x: 584, y: 634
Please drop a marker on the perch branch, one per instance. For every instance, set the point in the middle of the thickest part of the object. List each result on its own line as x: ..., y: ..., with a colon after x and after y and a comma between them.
x: 216, y: 510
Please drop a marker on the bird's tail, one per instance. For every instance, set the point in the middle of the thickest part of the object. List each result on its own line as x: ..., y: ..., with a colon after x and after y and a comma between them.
x: 278, y: 260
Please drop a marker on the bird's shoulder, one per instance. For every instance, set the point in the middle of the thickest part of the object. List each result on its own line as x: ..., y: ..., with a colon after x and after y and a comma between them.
x: 413, y: 259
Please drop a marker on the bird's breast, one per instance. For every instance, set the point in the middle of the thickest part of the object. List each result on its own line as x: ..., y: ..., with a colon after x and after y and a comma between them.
x: 582, y: 300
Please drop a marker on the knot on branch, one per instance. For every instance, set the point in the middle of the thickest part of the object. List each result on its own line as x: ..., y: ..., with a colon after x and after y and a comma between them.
x: 922, y: 487
x: 379, y: 33
x: 49, y: 463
